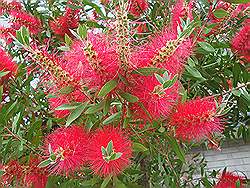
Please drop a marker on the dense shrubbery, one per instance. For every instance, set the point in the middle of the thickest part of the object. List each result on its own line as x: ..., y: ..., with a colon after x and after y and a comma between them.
x: 117, y: 93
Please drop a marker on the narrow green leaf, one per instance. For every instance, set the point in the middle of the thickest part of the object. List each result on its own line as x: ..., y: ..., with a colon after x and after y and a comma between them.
x: 195, y: 73
x: 107, y: 88
x: 112, y: 118
x: 137, y: 147
x: 104, y: 151
x: 129, y: 97
x: 66, y: 90
x: 148, y: 71
x: 67, y: 40
x: 66, y: 107
x: 110, y: 147
x: 159, y: 78
x: 170, y: 83
x: 95, y: 108
x: 76, y: 113
x: 1, y: 93
x: 206, y: 46
x: 3, y: 73
x: 220, y: 13
x: 82, y: 31
x: 177, y: 149
x: 105, y: 182
x: 237, y: 1
x: 15, y: 121
x: 45, y: 163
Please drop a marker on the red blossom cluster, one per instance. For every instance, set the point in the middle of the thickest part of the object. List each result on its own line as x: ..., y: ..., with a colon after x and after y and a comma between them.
x: 6, y: 64
x: 137, y: 7
x: 17, y: 18
x: 63, y: 24
x: 241, y: 42
x: 73, y: 148
x: 230, y: 180
x: 23, y: 175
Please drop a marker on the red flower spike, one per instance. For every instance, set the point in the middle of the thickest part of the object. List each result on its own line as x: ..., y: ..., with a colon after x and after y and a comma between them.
x: 121, y: 145
x: 6, y: 64
x: 229, y: 180
x: 69, y: 146
x: 34, y: 176
x: 147, y: 89
x: 241, y: 42
x: 163, y: 45
x: 93, y: 62
x: 12, y: 171
x: 63, y: 24
x: 137, y: 7
x: 6, y: 7
x: 22, y: 18
x: 196, y: 119
x: 178, y: 12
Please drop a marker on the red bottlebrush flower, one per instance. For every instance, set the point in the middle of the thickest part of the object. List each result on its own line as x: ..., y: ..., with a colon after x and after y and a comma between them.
x: 196, y: 119
x: 6, y: 64
x: 22, y: 18
x: 121, y: 145
x: 63, y: 24
x: 137, y: 7
x: 6, y: 7
x: 12, y: 171
x: 177, y: 13
x: 164, y: 51
x: 241, y: 42
x: 5, y: 34
x: 229, y: 180
x: 93, y: 62
x: 69, y: 146
x: 34, y: 176
x: 156, y: 101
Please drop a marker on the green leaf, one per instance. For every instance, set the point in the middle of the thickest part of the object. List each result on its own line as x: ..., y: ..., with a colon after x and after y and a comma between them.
x: 238, y: 184
x: 170, y: 83
x: 159, y: 78
x: 15, y: 121
x: 129, y: 97
x: 95, y: 6
x: 109, y: 148
x: 45, y: 163
x: 76, y: 113
x: 236, y: 93
x: 82, y: 31
x: 64, y: 48
x: 237, y: 1
x: 206, y: 183
x: 104, y: 151
x: 105, y: 182
x: 107, y: 88
x: 195, y: 73
x: 1, y: 93
x: 4, y: 73
x: 112, y: 118
x: 25, y: 36
x: 66, y: 107
x: 148, y: 71
x: 206, y: 46
x: 137, y: 147
x: 220, y: 13
x: 68, y: 40
x: 95, y: 108
x: 177, y: 149
x: 66, y: 90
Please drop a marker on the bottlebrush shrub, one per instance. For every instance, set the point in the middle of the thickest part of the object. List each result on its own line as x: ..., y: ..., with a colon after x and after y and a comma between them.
x: 118, y: 93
